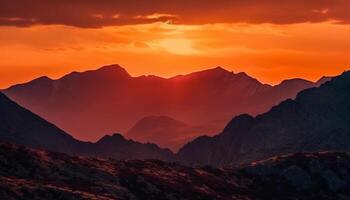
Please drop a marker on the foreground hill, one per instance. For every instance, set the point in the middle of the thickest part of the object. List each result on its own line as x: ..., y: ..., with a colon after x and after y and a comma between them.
x: 90, y: 104
x: 21, y: 126
x: 32, y: 174
x: 318, y: 119
x: 166, y: 132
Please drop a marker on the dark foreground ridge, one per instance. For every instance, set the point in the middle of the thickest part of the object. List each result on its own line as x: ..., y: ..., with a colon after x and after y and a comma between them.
x: 33, y: 174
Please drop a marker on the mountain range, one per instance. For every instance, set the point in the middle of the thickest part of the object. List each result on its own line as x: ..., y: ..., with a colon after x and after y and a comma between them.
x: 317, y: 120
x: 293, y: 151
x: 32, y: 174
x: 21, y: 126
x: 90, y: 104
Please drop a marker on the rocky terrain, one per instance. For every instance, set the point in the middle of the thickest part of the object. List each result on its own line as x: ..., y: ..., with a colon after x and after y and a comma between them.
x: 33, y: 174
x: 317, y: 120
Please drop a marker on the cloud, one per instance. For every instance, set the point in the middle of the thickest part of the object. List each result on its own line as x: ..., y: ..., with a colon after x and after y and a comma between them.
x: 100, y: 13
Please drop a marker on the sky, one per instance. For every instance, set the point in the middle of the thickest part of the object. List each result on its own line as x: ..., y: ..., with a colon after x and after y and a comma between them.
x: 271, y: 40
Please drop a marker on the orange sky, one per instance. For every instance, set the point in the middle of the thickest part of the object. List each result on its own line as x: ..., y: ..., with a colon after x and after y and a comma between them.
x: 267, y: 43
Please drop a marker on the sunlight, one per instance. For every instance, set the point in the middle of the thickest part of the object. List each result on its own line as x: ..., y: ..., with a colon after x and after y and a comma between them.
x: 178, y: 46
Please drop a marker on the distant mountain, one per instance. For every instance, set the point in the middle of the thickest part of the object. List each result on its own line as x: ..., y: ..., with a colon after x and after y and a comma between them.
x: 21, y: 126
x: 318, y: 119
x: 92, y: 103
x: 32, y: 174
x: 166, y: 131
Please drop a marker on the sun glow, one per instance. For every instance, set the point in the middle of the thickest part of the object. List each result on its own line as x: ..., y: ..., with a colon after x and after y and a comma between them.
x: 269, y: 52
x: 177, y: 46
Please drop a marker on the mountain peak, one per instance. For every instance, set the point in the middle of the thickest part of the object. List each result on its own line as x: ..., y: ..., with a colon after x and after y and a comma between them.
x: 324, y: 79
x: 113, y: 137
x: 43, y: 78
x: 215, y: 70
x: 103, y: 72
x: 164, y: 120
x: 295, y: 80
x: 242, y: 74
x: 110, y: 67
x: 219, y: 68
x: 207, y: 73
x: 239, y: 123
x: 114, y: 68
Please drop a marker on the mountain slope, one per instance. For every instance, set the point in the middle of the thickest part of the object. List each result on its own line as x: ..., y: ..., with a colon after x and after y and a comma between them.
x: 21, y: 126
x: 90, y: 104
x: 32, y: 174
x: 165, y: 131
x: 318, y: 119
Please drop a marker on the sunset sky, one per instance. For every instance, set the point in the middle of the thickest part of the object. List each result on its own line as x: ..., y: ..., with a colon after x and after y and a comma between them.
x: 271, y: 40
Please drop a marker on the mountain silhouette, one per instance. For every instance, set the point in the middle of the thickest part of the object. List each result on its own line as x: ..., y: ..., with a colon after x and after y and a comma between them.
x: 116, y: 146
x: 165, y: 131
x: 92, y: 103
x: 20, y: 126
x: 317, y: 120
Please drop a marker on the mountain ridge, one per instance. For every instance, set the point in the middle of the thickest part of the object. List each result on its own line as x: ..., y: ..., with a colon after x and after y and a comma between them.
x: 115, y: 67
x: 318, y: 119
x: 92, y: 103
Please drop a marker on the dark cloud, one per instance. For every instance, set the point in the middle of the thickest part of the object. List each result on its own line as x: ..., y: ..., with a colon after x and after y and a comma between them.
x: 98, y: 13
